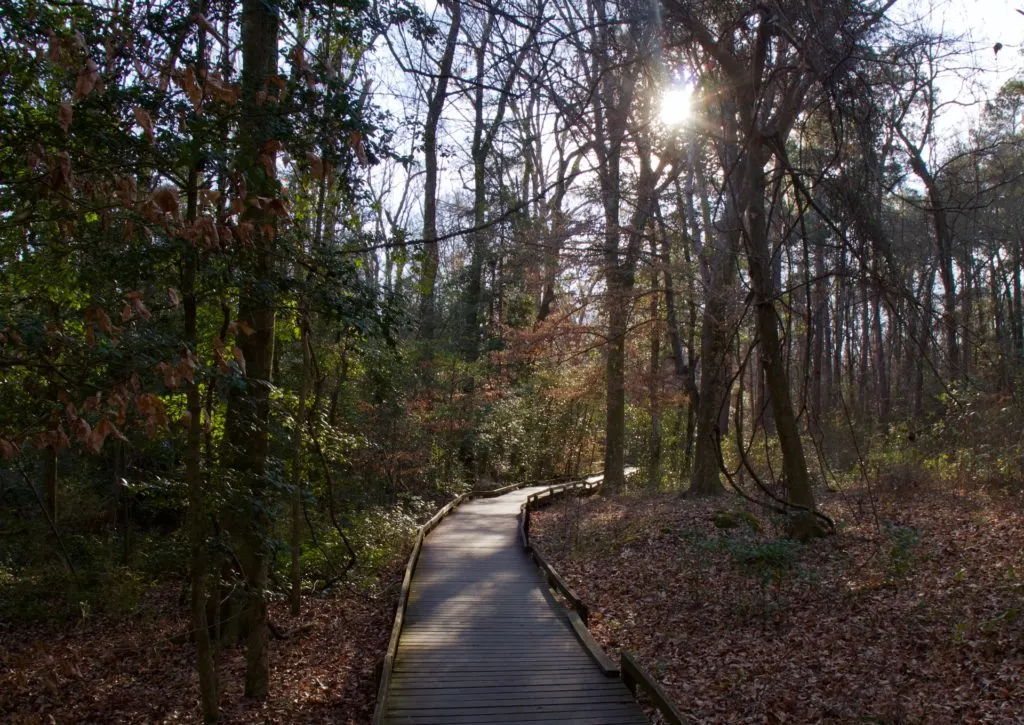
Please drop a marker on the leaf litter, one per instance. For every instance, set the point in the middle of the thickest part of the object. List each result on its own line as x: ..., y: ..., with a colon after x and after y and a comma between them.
x: 910, y: 614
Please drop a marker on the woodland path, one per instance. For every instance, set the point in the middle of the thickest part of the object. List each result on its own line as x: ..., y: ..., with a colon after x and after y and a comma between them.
x: 484, y: 642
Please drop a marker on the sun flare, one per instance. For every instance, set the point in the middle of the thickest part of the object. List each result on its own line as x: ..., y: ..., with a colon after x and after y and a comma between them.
x: 674, y: 107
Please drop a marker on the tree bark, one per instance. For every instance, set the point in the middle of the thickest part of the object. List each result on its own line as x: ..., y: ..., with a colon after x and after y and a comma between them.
x: 198, y: 507
x: 297, y: 488
x: 705, y: 478
x: 654, y: 457
x: 435, y: 105
x: 247, y: 424
x: 794, y: 465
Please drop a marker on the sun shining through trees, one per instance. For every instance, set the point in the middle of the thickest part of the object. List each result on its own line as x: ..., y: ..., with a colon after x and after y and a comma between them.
x: 280, y: 279
x: 674, y: 105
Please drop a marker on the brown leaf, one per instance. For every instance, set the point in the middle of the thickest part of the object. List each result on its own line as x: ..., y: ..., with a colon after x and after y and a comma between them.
x: 173, y: 295
x: 88, y: 77
x: 240, y: 359
x: 93, y: 402
x: 227, y: 93
x: 61, y: 178
x: 59, y: 439
x: 64, y: 115
x: 209, y: 196
x: 100, y: 433
x: 187, y: 82
x: 316, y: 165
x: 81, y: 430
x: 166, y: 199
x: 127, y: 189
x: 143, y: 119
x: 135, y: 298
x: 355, y: 140
x: 8, y: 449
x: 244, y: 232
x: 219, y: 355
x: 54, y: 47
x: 277, y: 207
x: 267, y: 162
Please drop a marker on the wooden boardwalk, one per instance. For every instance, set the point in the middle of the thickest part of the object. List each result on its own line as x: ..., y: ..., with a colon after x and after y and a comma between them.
x: 483, y: 641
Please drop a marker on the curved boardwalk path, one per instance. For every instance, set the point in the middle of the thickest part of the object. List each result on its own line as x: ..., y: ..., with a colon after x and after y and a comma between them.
x: 483, y: 641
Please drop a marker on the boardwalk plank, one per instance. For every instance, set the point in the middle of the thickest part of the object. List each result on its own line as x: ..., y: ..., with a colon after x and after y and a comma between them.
x: 483, y: 641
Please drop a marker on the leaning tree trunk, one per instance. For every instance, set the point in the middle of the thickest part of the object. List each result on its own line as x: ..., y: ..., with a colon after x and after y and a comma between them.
x: 794, y: 465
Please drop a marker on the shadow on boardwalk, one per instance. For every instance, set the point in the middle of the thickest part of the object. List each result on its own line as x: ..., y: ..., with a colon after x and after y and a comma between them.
x: 483, y: 642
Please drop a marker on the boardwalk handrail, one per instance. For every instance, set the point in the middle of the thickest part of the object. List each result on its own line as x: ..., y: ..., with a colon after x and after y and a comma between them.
x: 633, y: 674
x: 628, y: 669
x: 555, y: 580
x: 388, y: 665
x: 579, y: 613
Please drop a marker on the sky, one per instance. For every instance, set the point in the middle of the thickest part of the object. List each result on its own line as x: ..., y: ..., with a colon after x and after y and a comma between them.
x: 984, y: 23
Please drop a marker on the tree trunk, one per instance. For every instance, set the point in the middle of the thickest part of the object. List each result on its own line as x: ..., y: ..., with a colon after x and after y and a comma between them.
x: 428, y: 313
x: 819, y: 321
x: 1018, y: 303
x: 615, y: 367
x: 247, y: 424
x: 300, y: 419
x: 654, y: 458
x: 794, y: 465
x: 50, y: 482
x: 882, y: 371
x: 705, y: 478
x: 198, y: 508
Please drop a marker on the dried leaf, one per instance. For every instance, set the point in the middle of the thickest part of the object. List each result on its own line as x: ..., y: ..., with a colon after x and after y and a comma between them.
x: 64, y: 115
x: 88, y: 77
x: 227, y: 93
x: 316, y: 165
x: 81, y: 430
x: 277, y: 207
x: 355, y: 140
x: 172, y: 293
x: 187, y: 82
x: 166, y: 199
x: 104, y: 429
x: 139, y: 308
x: 8, y: 449
x: 143, y: 119
x: 239, y: 359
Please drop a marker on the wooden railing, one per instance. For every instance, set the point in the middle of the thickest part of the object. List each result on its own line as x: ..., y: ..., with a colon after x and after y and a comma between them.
x: 628, y: 669
x: 582, y: 487
x: 634, y: 675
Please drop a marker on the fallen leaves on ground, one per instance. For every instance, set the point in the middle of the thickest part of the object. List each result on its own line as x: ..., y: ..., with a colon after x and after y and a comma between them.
x: 910, y: 614
x: 140, y: 669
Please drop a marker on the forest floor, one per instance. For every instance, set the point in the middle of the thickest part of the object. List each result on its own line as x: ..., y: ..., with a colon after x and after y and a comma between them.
x: 910, y: 614
x: 139, y: 669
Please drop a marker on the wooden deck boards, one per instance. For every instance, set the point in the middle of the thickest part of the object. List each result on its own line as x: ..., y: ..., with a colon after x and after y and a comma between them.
x: 484, y: 643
